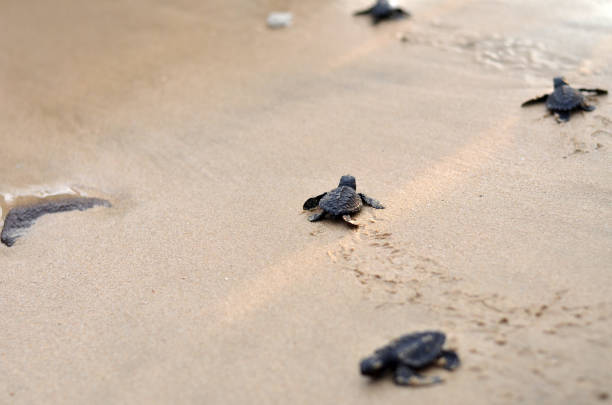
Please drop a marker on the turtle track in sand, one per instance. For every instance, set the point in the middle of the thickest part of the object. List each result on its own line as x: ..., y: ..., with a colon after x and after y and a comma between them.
x: 493, y: 327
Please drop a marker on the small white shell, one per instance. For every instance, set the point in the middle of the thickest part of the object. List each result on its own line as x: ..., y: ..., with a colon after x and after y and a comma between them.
x: 279, y: 19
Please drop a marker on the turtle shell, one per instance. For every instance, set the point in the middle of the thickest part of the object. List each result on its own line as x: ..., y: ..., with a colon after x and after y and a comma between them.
x: 418, y: 349
x: 341, y: 201
x: 382, y: 9
x: 564, y: 98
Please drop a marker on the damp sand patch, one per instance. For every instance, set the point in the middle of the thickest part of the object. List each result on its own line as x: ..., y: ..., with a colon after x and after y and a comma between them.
x: 24, y: 214
x: 495, y: 50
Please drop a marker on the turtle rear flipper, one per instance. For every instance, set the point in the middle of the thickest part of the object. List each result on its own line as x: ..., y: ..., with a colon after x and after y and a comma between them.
x: 536, y: 100
x: 563, y: 116
x: 317, y: 217
x: 347, y: 218
x: 313, y: 202
x: 404, y: 375
x: 371, y: 202
x: 598, y: 92
x: 450, y: 360
x: 587, y: 107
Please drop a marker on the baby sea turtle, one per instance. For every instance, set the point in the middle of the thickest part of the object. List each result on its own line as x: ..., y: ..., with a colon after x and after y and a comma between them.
x: 565, y: 99
x: 408, y: 354
x: 341, y: 201
x: 382, y: 10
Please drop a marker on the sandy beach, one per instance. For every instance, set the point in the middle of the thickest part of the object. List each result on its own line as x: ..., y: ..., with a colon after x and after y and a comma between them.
x: 205, y: 282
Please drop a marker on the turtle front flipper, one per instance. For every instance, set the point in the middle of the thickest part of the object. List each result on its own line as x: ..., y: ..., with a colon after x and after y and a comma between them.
x: 371, y: 202
x: 563, y: 116
x: 313, y: 202
x: 347, y: 218
x: 536, y: 100
x: 598, y: 92
x: 317, y: 217
x: 364, y: 12
x: 404, y: 375
x: 449, y: 360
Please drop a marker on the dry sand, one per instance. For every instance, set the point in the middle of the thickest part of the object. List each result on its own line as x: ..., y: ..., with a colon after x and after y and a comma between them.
x: 205, y: 283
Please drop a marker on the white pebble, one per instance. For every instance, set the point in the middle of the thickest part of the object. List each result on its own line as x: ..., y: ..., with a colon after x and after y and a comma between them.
x: 279, y: 20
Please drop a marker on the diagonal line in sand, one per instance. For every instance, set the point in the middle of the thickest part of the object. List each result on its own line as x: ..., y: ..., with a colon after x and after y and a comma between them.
x: 271, y: 283
x: 255, y: 294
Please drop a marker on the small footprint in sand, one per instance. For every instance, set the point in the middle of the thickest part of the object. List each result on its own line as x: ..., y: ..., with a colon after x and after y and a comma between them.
x: 582, y: 143
x: 598, y: 140
x: 388, y: 270
x: 605, y: 121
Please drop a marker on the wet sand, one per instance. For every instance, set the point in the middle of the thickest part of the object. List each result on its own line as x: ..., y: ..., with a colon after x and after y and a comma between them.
x: 205, y: 283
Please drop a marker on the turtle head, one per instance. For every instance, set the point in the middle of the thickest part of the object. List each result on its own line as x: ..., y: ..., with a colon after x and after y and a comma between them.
x: 348, y: 181
x: 372, y: 366
x: 559, y: 81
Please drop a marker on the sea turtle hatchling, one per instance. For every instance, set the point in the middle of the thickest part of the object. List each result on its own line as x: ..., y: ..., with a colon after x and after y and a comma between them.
x: 408, y: 354
x: 565, y: 99
x: 341, y: 202
x: 382, y: 10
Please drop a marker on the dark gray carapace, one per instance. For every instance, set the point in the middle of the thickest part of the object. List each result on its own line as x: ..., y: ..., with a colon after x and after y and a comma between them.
x: 564, y: 99
x: 341, y: 202
x: 382, y: 10
x: 408, y: 354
